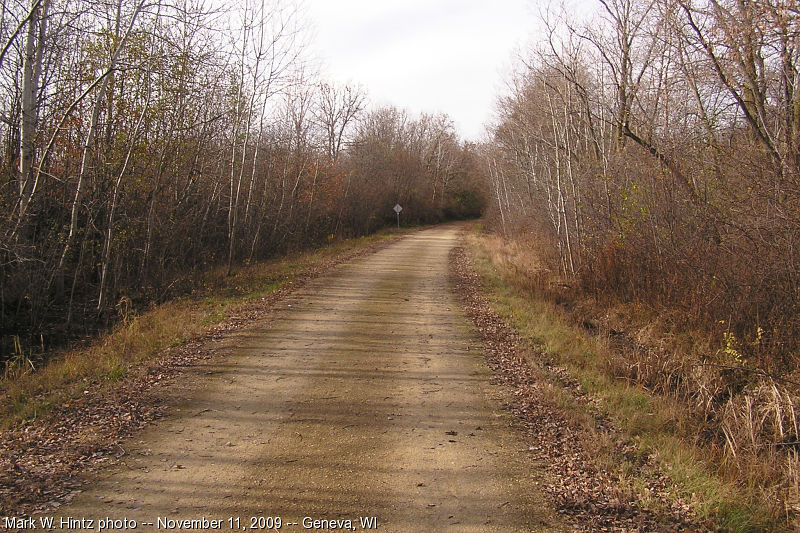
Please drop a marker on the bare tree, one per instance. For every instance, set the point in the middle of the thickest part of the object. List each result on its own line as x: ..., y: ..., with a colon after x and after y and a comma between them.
x: 336, y: 111
x: 121, y: 37
x: 36, y: 23
x: 267, y: 49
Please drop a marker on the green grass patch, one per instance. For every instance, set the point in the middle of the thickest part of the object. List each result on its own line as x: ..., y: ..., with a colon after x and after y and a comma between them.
x: 213, y: 318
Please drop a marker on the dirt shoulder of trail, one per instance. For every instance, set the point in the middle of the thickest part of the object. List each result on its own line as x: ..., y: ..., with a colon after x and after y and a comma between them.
x: 40, y: 462
x: 588, y: 495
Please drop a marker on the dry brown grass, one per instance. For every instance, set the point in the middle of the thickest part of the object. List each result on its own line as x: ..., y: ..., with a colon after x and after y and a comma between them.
x: 728, y: 433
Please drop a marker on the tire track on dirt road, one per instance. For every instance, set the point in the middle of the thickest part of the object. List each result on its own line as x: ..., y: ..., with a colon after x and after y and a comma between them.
x: 365, y: 396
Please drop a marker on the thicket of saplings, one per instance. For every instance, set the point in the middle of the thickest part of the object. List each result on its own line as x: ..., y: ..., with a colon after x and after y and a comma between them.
x: 654, y: 159
x: 146, y: 143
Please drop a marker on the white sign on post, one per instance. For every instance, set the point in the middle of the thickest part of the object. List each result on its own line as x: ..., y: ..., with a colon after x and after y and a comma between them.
x: 397, y: 209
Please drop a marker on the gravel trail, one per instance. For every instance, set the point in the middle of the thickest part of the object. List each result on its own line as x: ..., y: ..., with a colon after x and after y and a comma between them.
x: 364, y: 396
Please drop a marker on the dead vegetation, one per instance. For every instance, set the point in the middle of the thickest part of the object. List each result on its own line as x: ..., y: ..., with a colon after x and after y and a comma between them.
x: 645, y: 169
x: 737, y: 424
x: 626, y: 493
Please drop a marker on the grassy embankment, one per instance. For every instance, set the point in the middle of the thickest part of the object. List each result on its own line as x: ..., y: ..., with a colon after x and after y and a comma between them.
x: 660, y: 426
x: 28, y: 392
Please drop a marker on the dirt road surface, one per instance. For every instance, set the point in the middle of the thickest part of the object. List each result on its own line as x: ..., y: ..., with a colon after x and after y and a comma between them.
x: 364, y: 396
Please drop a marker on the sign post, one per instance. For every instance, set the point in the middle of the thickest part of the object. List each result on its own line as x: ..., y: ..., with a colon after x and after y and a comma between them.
x: 397, y: 209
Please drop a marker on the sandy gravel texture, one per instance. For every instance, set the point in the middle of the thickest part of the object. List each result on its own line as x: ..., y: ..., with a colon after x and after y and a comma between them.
x: 364, y: 396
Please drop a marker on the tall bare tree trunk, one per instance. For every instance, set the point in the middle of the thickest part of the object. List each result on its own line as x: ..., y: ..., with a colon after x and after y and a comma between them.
x: 31, y: 74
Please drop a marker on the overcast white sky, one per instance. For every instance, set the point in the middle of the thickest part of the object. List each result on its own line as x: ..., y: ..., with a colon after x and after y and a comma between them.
x: 451, y: 56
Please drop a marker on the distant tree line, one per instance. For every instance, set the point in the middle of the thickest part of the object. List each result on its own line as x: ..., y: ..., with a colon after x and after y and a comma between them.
x: 144, y: 142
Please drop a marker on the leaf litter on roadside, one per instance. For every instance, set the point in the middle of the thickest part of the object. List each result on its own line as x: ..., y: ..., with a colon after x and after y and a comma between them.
x: 594, y: 498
